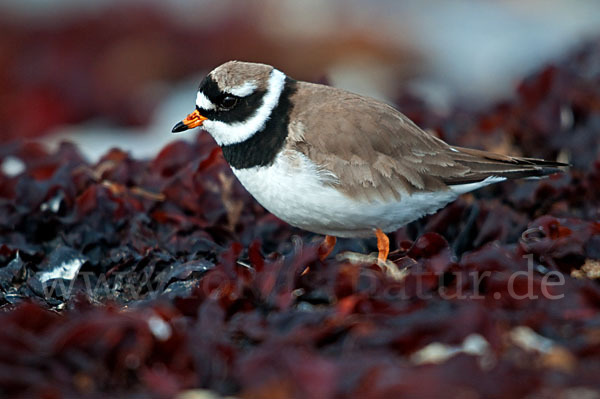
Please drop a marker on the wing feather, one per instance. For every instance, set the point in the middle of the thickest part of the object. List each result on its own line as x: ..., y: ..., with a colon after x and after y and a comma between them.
x: 377, y: 153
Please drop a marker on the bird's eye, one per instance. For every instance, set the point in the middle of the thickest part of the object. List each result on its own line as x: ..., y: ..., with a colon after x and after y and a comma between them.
x: 228, y: 102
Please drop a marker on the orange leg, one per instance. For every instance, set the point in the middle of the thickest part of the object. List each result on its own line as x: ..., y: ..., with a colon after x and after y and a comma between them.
x: 326, y: 247
x: 383, y: 245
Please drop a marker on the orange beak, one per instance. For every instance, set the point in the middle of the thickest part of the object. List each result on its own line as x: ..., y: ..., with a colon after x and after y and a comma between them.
x: 191, y: 121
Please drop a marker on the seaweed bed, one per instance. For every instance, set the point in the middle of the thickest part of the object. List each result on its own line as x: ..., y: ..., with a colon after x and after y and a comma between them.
x: 151, y: 278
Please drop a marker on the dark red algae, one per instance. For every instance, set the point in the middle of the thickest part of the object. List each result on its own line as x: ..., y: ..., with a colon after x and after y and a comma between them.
x: 151, y: 279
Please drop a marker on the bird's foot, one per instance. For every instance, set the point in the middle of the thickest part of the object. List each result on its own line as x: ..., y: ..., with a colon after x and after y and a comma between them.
x: 326, y: 247
x: 383, y: 245
x: 387, y: 266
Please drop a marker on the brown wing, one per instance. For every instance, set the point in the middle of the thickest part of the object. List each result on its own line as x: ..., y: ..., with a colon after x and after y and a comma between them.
x: 482, y: 164
x: 378, y: 153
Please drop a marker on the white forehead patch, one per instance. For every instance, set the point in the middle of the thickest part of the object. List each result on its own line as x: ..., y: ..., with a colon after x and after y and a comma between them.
x: 203, y: 102
x: 244, y: 90
x: 226, y: 134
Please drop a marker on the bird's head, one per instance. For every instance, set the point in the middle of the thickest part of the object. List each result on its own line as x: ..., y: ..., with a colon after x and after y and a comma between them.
x: 235, y: 101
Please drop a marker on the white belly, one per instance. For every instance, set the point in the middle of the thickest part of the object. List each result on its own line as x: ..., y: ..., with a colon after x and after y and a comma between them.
x: 293, y: 190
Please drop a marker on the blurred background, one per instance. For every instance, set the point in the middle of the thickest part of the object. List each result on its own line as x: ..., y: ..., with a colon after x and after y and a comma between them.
x: 115, y: 73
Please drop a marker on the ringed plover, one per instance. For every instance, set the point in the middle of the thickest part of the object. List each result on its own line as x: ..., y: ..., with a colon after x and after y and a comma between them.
x: 334, y: 162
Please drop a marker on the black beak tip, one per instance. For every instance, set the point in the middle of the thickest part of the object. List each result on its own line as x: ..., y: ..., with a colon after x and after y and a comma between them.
x: 179, y: 127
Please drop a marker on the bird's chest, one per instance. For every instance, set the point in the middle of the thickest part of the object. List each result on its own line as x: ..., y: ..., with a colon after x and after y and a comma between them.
x: 288, y: 188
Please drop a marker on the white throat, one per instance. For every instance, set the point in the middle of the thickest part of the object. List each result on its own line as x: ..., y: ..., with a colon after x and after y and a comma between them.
x: 226, y: 134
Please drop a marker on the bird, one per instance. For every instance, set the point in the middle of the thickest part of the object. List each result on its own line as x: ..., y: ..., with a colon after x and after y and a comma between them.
x: 337, y: 163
